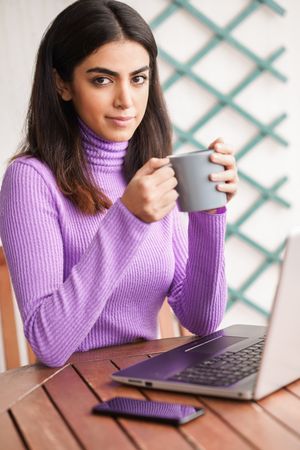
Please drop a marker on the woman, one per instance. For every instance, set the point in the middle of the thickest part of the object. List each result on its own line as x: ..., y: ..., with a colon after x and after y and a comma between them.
x: 88, y: 221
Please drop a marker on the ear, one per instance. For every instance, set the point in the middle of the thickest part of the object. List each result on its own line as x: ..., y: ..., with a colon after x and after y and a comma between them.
x: 62, y: 87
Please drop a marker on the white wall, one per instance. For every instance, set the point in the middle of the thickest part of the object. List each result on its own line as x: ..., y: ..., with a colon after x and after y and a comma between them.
x: 22, y: 23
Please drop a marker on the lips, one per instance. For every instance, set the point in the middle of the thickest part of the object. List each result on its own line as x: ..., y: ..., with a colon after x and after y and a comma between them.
x: 121, y: 121
x: 122, y: 118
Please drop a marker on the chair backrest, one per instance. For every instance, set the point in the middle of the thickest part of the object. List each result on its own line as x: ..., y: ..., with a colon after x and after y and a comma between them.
x: 168, y: 324
x: 10, y: 336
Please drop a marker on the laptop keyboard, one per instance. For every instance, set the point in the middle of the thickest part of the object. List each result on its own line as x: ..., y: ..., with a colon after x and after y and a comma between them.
x: 225, y: 369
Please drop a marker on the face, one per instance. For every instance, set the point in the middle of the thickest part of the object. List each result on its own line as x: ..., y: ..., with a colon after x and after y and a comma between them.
x: 110, y: 89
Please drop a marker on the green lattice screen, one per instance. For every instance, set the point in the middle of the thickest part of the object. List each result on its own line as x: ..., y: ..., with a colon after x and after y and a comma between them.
x: 263, y: 130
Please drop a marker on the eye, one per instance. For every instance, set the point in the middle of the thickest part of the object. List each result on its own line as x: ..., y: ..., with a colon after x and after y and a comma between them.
x: 139, y: 79
x: 101, y: 81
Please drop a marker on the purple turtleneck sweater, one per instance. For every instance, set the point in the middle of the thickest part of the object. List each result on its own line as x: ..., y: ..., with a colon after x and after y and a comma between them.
x: 88, y: 281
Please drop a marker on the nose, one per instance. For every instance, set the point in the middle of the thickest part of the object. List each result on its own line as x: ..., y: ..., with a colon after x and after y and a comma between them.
x: 123, y: 96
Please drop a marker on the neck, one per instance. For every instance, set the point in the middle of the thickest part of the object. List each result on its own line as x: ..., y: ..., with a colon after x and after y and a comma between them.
x: 100, y: 151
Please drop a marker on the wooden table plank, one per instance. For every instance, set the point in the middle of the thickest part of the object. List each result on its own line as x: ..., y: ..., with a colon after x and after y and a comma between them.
x: 285, y: 407
x: 137, y: 348
x: 40, y: 423
x: 75, y: 400
x: 146, y: 435
x: 251, y: 421
x: 9, y: 436
x: 97, y: 375
x: 294, y: 388
x: 16, y: 383
x: 207, y: 431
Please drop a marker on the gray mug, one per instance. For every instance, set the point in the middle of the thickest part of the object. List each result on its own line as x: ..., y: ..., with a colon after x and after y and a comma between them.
x: 196, y: 191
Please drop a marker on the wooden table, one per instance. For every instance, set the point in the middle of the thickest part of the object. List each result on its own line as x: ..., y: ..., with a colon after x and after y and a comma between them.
x: 43, y: 408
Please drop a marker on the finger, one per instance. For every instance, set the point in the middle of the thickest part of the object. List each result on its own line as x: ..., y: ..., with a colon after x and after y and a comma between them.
x: 162, y: 174
x: 223, y: 148
x: 150, y: 166
x: 225, y: 175
x: 164, y: 212
x: 228, y: 188
x: 166, y: 205
x: 219, y: 140
x: 227, y: 160
x: 169, y: 201
x: 167, y: 185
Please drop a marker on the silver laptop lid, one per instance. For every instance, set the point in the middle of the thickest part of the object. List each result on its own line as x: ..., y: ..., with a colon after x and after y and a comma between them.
x: 280, y: 363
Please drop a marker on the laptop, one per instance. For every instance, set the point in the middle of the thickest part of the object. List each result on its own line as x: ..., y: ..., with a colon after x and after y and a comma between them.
x: 241, y: 361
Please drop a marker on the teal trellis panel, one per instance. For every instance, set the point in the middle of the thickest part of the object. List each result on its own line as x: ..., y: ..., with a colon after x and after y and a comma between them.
x: 263, y: 130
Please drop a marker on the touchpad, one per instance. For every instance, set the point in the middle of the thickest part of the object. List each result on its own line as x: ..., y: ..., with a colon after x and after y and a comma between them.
x: 216, y: 345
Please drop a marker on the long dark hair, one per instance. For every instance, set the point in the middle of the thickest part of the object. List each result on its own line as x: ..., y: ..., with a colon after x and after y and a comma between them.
x: 52, y: 129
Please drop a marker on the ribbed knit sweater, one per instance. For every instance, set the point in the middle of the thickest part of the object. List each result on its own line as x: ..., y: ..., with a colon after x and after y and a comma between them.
x: 88, y: 281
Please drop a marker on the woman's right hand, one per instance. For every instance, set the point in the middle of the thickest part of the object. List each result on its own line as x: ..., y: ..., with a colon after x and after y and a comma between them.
x: 151, y: 194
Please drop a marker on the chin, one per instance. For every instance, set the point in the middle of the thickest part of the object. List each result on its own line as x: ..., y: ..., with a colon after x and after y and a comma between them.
x: 119, y: 136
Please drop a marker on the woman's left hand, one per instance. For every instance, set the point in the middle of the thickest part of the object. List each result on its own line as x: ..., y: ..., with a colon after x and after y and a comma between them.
x: 228, y: 178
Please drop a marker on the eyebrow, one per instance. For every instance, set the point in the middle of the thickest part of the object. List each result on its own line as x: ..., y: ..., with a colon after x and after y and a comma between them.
x: 115, y: 74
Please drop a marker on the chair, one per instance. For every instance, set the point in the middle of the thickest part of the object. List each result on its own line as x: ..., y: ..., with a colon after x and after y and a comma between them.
x: 11, y: 346
x: 168, y: 324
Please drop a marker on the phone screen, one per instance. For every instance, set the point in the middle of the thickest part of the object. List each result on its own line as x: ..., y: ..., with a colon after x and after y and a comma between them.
x: 173, y: 413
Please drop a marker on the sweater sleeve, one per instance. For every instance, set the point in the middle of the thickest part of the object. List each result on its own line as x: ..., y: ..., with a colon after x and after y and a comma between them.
x: 198, y: 292
x: 58, y: 314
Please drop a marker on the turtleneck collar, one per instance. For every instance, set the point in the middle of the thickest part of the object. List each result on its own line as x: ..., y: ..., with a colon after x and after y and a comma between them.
x: 101, y: 152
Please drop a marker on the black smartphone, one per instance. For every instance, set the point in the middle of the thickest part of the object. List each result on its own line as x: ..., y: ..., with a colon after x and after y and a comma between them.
x: 172, y: 413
